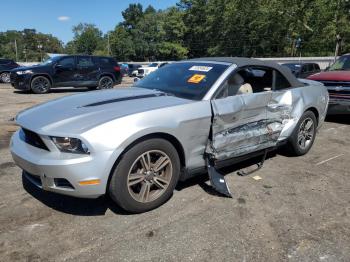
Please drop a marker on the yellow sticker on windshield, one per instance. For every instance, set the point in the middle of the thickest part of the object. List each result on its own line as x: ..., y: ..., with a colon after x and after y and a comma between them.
x: 196, y: 78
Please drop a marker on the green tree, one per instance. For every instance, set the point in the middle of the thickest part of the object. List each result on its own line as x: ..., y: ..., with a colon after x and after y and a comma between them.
x: 87, y: 38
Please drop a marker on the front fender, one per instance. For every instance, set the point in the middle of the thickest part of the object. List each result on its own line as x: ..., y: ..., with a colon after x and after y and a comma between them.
x: 189, y: 124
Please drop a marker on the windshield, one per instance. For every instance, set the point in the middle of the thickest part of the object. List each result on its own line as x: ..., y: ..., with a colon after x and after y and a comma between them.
x: 343, y: 63
x: 186, y: 80
x: 293, y: 67
x: 153, y: 65
x: 50, y: 60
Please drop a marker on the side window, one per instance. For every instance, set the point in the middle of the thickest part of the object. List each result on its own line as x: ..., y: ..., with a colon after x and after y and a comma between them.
x: 317, y: 67
x: 4, y: 62
x: 246, y: 81
x: 66, y: 62
x: 280, y: 81
x: 310, y: 67
x: 304, y: 69
x: 85, y: 62
x: 105, y: 61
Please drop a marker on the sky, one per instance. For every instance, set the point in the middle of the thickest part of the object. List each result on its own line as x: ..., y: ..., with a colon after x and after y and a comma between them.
x: 57, y: 17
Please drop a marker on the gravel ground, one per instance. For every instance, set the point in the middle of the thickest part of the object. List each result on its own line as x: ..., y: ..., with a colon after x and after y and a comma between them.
x: 298, y: 211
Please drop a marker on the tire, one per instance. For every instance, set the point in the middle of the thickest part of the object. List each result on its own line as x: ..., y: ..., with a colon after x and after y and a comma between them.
x: 5, y: 77
x: 130, y: 179
x: 105, y: 82
x: 304, y: 134
x: 40, y: 85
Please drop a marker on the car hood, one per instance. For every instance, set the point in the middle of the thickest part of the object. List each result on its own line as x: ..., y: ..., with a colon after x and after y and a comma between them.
x: 331, y: 76
x: 78, y: 113
x: 32, y: 67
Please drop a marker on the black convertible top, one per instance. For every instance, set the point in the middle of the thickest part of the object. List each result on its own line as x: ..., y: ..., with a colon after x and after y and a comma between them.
x: 242, y: 62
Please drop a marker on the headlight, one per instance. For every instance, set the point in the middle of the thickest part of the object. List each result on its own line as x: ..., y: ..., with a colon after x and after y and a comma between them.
x: 70, y: 145
x: 24, y: 72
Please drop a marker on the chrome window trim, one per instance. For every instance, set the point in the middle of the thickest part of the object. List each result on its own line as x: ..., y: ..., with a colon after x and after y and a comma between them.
x: 209, y: 95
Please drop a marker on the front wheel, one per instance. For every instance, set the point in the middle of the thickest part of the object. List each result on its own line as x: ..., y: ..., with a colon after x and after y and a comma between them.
x: 40, y: 85
x: 304, y: 134
x: 146, y: 176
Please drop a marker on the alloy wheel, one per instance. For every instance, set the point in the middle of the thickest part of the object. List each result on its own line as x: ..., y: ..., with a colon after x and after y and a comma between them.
x: 149, y: 176
x: 40, y: 85
x: 106, y: 83
x: 306, y: 133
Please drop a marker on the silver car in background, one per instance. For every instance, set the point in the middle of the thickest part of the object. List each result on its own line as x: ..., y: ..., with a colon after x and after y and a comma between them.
x: 136, y: 143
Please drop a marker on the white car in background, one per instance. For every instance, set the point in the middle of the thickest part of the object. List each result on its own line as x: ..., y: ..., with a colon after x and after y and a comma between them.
x: 146, y: 70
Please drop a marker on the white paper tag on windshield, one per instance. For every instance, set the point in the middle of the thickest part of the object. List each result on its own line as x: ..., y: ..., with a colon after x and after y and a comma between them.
x: 201, y: 68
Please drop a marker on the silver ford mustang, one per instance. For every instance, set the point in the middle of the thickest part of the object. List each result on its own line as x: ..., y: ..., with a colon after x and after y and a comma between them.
x: 136, y: 143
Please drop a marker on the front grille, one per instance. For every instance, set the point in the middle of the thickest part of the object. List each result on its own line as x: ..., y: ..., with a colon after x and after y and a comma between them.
x: 336, y: 83
x: 13, y: 77
x: 32, y: 138
x: 33, y: 178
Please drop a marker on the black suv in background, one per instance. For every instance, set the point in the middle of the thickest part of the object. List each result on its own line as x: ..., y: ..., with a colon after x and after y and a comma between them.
x: 303, y: 70
x: 68, y: 71
x: 6, y: 65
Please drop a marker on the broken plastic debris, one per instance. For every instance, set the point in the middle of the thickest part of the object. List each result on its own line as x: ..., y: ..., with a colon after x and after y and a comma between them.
x: 257, y: 177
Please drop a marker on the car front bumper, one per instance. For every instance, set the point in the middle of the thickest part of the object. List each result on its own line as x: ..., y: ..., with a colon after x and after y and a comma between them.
x: 61, y: 172
x: 21, y: 82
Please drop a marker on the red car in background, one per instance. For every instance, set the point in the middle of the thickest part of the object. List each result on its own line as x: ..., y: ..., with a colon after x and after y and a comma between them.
x: 337, y: 80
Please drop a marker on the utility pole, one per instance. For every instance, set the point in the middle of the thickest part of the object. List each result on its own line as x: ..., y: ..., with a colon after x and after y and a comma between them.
x: 40, y: 46
x: 298, y: 47
x: 337, y: 47
x: 109, y: 47
x: 16, y: 50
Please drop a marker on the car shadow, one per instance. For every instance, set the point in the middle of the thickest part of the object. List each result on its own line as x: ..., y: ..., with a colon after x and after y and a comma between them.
x: 339, y: 119
x: 202, y: 179
x: 57, y: 90
x: 72, y: 205
x: 99, y: 206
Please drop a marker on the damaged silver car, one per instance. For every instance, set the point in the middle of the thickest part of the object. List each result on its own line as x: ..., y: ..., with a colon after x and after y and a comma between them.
x: 187, y: 117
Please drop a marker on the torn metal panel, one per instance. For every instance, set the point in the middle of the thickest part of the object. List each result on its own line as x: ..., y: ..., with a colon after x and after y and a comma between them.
x: 255, y: 122
x: 239, y: 125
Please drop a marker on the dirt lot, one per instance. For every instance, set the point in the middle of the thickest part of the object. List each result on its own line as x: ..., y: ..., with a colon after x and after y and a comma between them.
x: 298, y: 211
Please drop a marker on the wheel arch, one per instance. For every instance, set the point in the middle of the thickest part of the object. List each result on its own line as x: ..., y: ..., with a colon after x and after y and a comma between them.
x: 315, y: 111
x: 44, y: 75
x: 166, y: 136
x: 107, y: 74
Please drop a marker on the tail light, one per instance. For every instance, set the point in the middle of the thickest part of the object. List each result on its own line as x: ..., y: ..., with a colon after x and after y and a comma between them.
x: 116, y: 68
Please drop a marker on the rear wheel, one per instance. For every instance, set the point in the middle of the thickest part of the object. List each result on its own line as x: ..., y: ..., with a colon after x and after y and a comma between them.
x: 304, y: 134
x: 40, y: 85
x: 106, y: 82
x: 5, y: 77
x: 146, y: 176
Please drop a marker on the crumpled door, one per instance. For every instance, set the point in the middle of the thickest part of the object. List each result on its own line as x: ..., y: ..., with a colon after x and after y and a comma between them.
x: 279, y: 114
x: 239, y: 125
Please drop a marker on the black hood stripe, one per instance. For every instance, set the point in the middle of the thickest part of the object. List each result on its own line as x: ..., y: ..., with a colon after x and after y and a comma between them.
x: 124, y: 99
